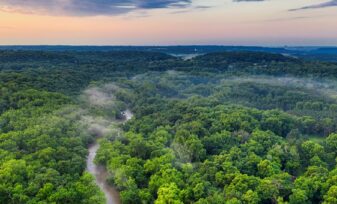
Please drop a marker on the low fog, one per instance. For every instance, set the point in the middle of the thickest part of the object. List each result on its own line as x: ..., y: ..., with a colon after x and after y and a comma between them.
x: 101, y: 96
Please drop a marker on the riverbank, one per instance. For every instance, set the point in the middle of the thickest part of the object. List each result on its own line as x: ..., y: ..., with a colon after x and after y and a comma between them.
x: 100, y: 173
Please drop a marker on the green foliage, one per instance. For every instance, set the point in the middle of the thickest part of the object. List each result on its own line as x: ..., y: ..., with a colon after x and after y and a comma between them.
x: 205, y: 130
x: 43, y: 151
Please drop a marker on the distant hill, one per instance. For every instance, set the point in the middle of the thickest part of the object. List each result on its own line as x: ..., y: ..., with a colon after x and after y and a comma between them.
x: 309, y: 53
x: 244, y: 57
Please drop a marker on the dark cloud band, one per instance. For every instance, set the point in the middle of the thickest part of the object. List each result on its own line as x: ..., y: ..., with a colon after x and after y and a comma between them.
x: 330, y: 3
x: 322, y: 5
x: 109, y: 7
x: 88, y: 7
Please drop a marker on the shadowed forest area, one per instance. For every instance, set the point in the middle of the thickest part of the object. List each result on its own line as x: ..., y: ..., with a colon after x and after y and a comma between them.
x: 223, y: 127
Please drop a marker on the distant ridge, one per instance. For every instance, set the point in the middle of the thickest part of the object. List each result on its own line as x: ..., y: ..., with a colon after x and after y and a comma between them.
x: 311, y: 53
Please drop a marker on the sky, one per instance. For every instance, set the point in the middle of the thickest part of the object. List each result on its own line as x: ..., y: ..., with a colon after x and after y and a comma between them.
x: 169, y: 22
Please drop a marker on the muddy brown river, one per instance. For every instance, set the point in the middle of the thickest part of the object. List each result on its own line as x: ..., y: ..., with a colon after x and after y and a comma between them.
x: 100, y: 173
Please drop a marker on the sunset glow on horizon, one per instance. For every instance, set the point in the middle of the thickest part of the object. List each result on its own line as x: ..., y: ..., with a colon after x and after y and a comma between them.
x: 272, y: 23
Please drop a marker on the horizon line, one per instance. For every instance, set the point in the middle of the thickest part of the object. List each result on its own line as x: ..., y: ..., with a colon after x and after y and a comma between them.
x: 164, y: 45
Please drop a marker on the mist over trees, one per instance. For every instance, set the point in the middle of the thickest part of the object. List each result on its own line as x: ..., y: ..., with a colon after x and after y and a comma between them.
x: 231, y: 127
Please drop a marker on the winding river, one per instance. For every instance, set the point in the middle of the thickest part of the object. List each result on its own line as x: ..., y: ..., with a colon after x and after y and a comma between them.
x: 100, y: 173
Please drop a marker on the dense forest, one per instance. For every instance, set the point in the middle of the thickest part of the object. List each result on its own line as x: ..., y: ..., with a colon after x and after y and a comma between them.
x: 308, y: 53
x: 225, y: 127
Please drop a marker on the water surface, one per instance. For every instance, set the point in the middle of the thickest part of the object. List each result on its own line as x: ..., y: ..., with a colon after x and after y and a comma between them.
x: 100, y: 173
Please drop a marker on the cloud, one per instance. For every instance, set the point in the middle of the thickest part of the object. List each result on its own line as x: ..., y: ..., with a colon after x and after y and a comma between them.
x: 96, y: 7
x: 112, y: 7
x: 87, y: 7
x: 290, y: 18
x: 192, y: 8
x: 247, y: 0
x: 330, y: 3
